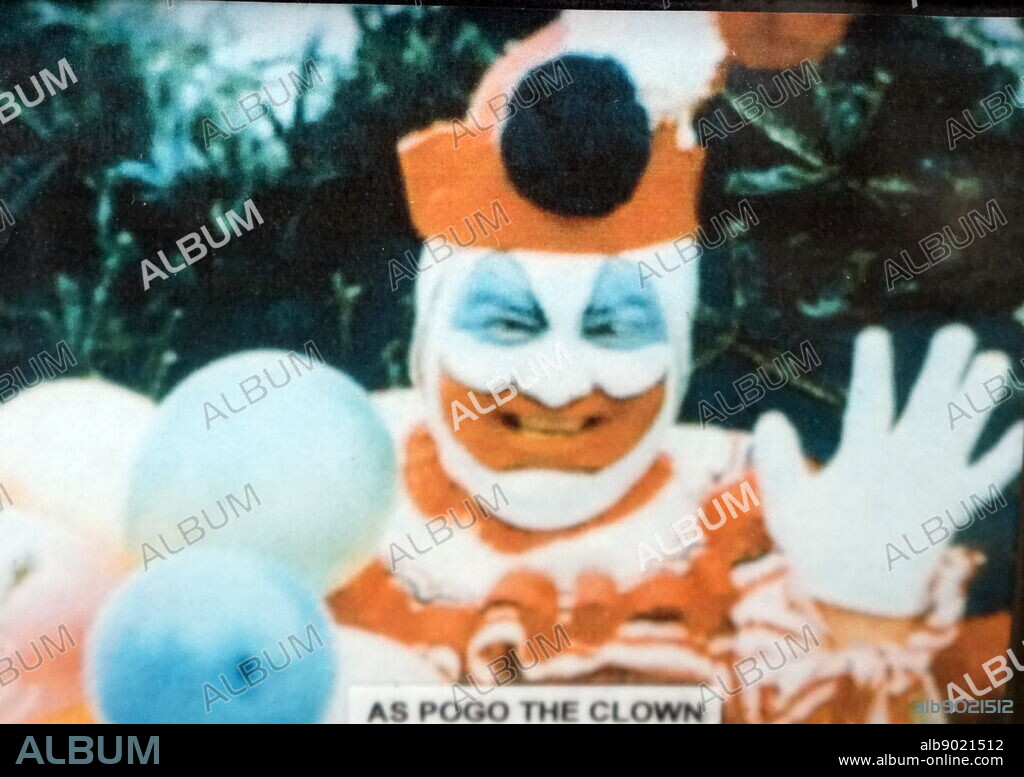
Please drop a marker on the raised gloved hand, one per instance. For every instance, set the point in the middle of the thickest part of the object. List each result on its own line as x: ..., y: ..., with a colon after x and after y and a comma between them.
x: 887, y: 478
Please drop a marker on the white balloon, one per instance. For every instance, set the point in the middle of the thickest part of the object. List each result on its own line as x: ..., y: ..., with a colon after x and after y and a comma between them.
x: 266, y: 450
x: 66, y: 449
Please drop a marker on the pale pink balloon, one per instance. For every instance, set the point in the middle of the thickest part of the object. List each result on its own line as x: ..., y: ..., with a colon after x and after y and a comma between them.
x: 52, y: 581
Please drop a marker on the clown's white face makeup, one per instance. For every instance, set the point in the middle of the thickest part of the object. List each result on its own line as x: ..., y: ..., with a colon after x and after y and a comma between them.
x: 600, y: 330
x: 597, y: 364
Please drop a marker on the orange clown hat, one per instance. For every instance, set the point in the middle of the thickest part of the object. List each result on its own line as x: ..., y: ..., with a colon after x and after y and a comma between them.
x: 446, y: 185
x: 455, y: 171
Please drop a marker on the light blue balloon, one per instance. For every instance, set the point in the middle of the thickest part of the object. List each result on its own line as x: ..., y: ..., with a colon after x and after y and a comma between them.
x: 267, y: 450
x: 168, y: 646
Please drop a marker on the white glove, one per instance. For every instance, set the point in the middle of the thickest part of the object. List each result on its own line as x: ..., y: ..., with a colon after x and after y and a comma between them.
x: 834, y: 525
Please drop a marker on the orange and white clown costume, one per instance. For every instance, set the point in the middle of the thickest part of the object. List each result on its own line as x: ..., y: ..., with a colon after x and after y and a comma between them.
x: 584, y: 471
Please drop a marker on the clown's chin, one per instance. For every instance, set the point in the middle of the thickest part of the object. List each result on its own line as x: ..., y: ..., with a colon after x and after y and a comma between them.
x: 551, y: 499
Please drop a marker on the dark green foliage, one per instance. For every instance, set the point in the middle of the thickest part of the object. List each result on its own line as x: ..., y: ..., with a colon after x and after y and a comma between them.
x: 103, y: 178
x: 859, y: 168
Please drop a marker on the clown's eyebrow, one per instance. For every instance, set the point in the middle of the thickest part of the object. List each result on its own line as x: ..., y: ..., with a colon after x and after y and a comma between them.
x: 490, y: 298
x: 608, y: 307
x: 501, y: 282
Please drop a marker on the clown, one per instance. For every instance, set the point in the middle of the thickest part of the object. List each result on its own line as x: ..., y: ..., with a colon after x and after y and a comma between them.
x: 585, y: 463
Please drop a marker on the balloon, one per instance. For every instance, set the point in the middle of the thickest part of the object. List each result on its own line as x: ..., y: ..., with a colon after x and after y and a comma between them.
x: 265, y: 450
x: 52, y: 582
x: 66, y: 450
x: 212, y: 636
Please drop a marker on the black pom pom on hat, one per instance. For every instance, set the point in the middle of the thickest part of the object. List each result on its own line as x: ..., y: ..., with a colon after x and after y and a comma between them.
x: 579, y: 150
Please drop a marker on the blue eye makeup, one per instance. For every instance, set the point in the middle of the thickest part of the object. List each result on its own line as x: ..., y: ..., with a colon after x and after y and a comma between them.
x: 497, y: 306
x: 620, y: 316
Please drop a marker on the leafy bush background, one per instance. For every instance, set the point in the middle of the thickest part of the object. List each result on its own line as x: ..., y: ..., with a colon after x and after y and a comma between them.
x: 114, y: 169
